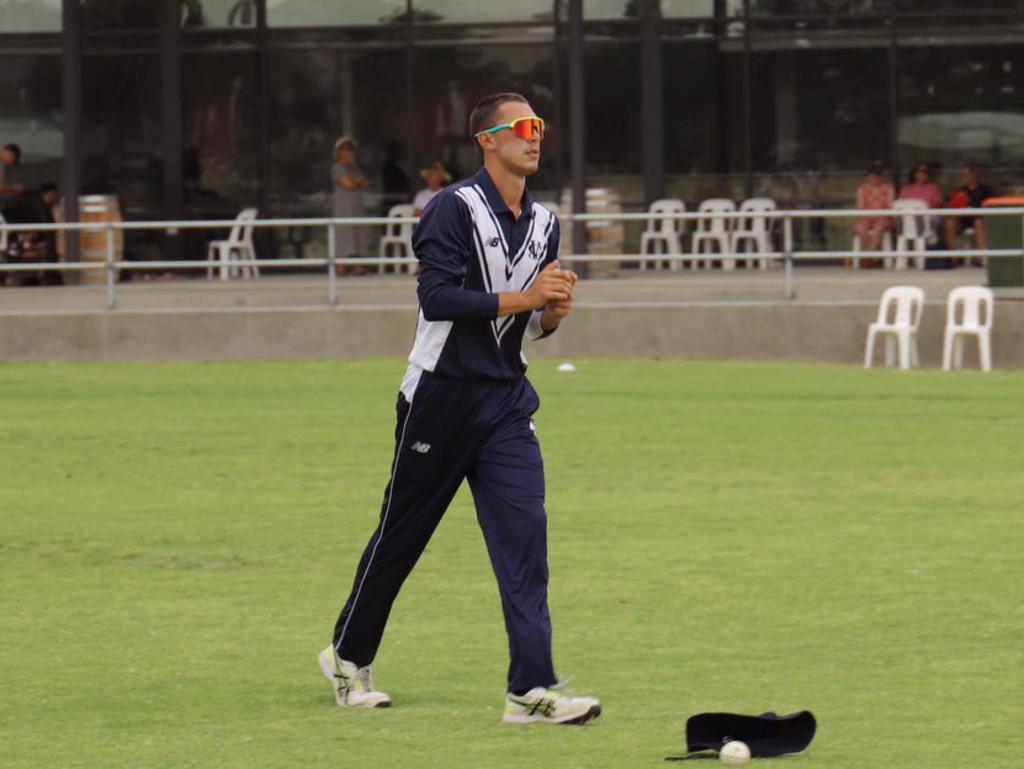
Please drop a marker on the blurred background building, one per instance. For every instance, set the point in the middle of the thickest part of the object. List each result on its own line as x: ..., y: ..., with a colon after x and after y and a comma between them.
x: 196, y: 108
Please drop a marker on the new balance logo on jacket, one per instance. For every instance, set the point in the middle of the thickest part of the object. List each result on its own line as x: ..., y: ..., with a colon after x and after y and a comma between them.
x: 420, y: 447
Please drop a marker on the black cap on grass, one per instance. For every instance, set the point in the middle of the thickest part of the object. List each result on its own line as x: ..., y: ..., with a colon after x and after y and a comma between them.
x: 766, y: 735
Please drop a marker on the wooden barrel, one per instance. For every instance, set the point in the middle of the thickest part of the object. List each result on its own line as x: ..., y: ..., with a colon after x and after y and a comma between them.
x: 98, y: 209
x: 603, y: 237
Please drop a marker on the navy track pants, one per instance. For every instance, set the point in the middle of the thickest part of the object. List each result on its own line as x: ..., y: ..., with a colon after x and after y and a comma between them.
x: 454, y: 430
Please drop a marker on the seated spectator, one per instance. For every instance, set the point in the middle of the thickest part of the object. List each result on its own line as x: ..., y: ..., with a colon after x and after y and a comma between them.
x: 920, y: 186
x: 436, y: 176
x: 874, y: 194
x: 971, y: 194
x: 29, y: 207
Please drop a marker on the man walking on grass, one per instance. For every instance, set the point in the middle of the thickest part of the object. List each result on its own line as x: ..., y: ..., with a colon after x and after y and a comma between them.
x: 488, y: 275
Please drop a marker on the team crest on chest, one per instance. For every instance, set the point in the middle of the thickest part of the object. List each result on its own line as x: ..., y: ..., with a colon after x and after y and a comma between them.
x: 503, y: 270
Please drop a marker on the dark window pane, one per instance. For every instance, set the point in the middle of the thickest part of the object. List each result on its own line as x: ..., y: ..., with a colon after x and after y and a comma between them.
x: 962, y: 104
x: 475, y: 11
x: 128, y: 43
x: 817, y: 8
x: 120, y: 14
x: 331, y: 13
x: 317, y: 38
x: 37, y: 16
x: 611, y: 31
x: 819, y: 113
x: 122, y: 135
x: 954, y: 13
x: 317, y: 96
x: 221, y: 122
x: 824, y: 16
x: 450, y: 82
x: 703, y: 120
x: 614, y: 114
x: 30, y: 92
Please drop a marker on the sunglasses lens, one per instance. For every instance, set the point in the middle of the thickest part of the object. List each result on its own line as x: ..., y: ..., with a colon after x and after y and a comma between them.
x: 526, y: 128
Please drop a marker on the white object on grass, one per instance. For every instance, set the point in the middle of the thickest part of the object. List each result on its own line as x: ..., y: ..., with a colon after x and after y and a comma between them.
x: 734, y: 753
x: 567, y: 366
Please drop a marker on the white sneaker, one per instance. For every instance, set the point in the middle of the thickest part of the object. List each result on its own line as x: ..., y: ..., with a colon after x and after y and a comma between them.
x: 549, y: 706
x: 352, y: 686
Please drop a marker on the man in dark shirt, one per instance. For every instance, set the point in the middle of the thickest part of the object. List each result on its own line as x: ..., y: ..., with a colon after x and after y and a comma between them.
x: 488, y: 275
x: 971, y: 194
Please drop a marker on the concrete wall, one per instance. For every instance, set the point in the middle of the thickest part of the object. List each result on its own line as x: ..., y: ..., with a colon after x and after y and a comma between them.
x: 833, y: 333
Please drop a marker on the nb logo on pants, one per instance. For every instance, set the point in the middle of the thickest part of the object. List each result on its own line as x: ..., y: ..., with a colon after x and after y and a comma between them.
x: 420, y: 447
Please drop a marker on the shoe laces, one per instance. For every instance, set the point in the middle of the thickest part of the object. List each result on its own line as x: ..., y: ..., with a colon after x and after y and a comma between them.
x: 546, y: 704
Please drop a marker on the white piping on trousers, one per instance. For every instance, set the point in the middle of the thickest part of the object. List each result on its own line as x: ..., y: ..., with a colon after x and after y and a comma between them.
x: 383, y: 523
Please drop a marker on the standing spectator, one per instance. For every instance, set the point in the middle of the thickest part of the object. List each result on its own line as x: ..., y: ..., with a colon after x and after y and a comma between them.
x: 436, y: 176
x: 347, y: 183
x: 971, y: 194
x: 10, y: 160
x: 874, y: 194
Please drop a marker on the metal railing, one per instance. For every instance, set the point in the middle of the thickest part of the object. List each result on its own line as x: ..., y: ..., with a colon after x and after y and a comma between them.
x: 788, y: 255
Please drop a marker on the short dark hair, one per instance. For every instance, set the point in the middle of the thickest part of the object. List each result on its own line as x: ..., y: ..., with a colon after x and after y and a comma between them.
x: 483, y: 113
x: 15, y: 150
x: 875, y: 168
x: 47, y: 187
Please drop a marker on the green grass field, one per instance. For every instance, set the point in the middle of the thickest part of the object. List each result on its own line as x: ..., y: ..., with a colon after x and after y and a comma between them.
x: 175, y: 542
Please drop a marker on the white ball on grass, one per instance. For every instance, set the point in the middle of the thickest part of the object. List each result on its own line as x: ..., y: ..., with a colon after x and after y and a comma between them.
x: 567, y: 366
x: 734, y: 753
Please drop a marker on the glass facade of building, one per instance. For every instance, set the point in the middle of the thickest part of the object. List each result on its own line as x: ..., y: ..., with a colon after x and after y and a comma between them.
x: 196, y: 108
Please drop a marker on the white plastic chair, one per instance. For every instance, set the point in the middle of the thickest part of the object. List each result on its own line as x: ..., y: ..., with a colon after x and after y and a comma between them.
x: 397, y: 240
x: 913, y: 235
x: 754, y: 230
x: 713, y: 230
x: 905, y: 304
x: 237, y: 254
x: 664, y: 233
x: 976, y: 321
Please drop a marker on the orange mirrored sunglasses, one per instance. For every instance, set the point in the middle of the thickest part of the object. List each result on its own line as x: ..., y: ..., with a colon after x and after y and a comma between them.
x: 523, y: 127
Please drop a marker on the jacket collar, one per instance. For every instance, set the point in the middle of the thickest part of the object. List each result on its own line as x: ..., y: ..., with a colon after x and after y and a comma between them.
x: 494, y: 199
